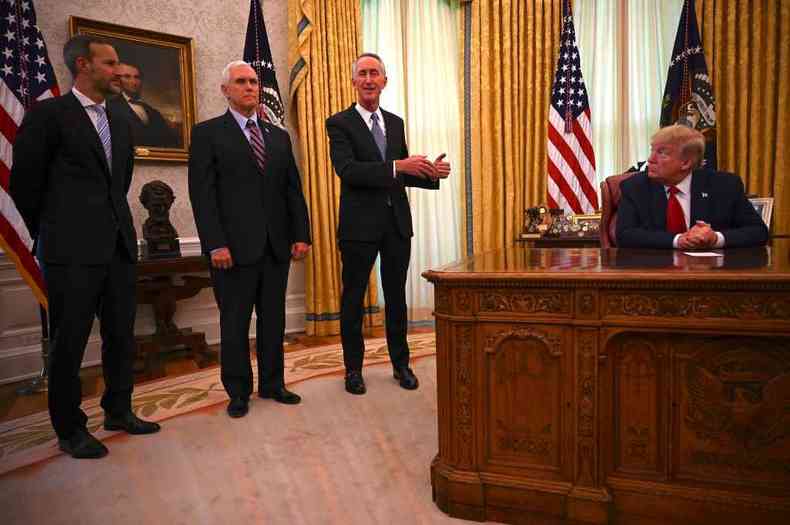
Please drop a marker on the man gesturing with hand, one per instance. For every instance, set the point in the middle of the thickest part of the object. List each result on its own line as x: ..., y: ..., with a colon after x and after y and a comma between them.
x: 369, y: 154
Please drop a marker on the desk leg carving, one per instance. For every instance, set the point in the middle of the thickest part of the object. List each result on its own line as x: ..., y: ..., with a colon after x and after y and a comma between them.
x: 588, y: 500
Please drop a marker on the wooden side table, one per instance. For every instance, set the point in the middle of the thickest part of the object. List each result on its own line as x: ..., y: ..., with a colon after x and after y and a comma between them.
x: 161, y: 283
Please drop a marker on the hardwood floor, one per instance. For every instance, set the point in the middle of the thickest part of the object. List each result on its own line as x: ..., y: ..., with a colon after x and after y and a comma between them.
x: 14, y: 405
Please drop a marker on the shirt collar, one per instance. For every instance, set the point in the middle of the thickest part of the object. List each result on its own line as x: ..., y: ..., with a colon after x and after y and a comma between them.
x: 683, y: 186
x: 366, y: 114
x: 241, y: 119
x: 85, y: 101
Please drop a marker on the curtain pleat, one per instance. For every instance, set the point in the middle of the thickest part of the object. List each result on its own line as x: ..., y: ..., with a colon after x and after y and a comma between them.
x: 324, y: 41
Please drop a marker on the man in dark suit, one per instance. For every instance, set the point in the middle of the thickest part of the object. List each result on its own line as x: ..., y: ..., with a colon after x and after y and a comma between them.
x: 676, y: 204
x: 149, y: 127
x: 252, y: 219
x: 369, y: 154
x: 72, y: 169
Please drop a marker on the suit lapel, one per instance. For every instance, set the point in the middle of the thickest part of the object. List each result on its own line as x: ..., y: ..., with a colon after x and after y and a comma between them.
x: 119, y: 145
x: 85, y: 126
x: 699, y: 197
x: 236, y: 137
x: 658, y: 203
x: 390, y: 122
x: 361, y: 128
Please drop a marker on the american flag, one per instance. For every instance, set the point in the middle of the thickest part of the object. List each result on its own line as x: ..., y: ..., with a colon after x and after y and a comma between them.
x: 258, y: 54
x: 26, y: 76
x: 571, y: 163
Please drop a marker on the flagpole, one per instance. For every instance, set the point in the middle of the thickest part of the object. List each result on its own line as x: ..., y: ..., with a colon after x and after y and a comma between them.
x: 40, y: 383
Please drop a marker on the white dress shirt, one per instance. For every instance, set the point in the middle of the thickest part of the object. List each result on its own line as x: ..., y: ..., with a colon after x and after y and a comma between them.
x: 242, y: 121
x: 684, y: 198
x: 138, y: 109
x: 86, y: 103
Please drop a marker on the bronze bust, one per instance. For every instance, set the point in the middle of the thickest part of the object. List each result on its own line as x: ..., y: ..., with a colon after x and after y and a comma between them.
x: 160, y: 236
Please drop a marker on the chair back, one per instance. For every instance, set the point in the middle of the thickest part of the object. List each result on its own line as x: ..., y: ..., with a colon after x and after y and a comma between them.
x: 610, y: 201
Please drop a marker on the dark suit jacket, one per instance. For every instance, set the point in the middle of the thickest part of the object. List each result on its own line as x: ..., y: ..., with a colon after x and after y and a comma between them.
x: 236, y: 206
x: 366, y: 178
x: 156, y: 133
x: 716, y: 198
x: 61, y: 183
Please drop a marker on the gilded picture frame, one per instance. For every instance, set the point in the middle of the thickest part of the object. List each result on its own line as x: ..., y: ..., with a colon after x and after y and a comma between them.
x: 156, y: 86
x: 764, y: 207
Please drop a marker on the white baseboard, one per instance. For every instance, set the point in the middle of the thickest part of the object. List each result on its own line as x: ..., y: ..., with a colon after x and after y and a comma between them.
x: 20, y: 330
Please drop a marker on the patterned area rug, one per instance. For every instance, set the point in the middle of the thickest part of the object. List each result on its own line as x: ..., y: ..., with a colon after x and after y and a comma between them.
x: 31, y: 439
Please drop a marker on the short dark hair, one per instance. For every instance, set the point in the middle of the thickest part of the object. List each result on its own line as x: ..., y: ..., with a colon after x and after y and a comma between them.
x: 80, y: 46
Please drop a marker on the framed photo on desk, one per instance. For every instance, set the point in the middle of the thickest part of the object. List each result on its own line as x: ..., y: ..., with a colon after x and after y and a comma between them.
x: 764, y: 207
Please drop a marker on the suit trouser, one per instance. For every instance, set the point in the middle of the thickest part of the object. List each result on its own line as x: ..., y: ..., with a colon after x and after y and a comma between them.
x: 237, y: 290
x: 358, y: 258
x: 77, y: 293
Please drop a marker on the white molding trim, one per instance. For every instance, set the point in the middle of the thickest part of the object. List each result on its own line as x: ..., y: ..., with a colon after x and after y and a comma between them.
x: 20, y: 331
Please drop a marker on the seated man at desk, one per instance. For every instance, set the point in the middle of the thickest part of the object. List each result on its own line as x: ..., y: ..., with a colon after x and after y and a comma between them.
x: 677, y: 204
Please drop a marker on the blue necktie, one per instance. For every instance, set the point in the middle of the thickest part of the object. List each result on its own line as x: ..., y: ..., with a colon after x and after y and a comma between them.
x: 103, y: 127
x: 378, y: 136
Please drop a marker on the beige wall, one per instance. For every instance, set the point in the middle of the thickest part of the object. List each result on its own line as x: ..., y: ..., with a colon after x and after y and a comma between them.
x: 218, y: 29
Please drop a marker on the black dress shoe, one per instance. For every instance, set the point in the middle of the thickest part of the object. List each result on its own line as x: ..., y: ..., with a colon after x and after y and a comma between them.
x: 238, y: 407
x: 130, y: 424
x: 82, y: 445
x: 406, y: 378
x: 354, y: 383
x: 281, y: 395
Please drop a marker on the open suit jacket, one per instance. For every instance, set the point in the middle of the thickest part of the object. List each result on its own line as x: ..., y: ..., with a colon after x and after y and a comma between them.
x: 366, y: 178
x: 716, y: 197
x: 236, y: 206
x: 63, y: 188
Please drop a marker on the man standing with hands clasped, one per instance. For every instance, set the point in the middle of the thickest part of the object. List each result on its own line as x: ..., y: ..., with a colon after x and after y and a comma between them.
x: 369, y: 154
x: 677, y: 204
x: 252, y: 219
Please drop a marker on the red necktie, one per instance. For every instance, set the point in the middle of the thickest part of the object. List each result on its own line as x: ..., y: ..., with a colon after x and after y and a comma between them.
x: 676, y: 222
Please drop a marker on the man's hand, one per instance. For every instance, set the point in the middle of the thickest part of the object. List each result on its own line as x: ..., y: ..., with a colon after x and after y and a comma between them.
x: 221, y: 259
x: 442, y: 167
x: 299, y: 250
x: 417, y: 165
x: 699, y: 236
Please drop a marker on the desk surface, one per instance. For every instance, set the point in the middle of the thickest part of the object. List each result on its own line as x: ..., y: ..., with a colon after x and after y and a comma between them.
x: 523, y: 262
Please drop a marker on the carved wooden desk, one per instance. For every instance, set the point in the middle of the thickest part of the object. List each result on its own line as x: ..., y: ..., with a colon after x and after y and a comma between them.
x: 614, y: 385
x: 160, y: 283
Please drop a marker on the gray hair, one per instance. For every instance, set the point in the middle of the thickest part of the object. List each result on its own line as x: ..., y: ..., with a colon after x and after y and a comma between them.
x: 226, y: 71
x: 363, y: 55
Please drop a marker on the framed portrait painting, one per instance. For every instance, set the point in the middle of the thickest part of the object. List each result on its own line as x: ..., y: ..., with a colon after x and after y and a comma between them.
x: 156, y: 88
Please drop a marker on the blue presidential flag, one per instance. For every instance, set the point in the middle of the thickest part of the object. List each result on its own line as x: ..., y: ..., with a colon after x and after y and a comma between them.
x: 688, y: 95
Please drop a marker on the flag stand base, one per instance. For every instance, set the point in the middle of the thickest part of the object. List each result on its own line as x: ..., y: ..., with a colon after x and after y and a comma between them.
x: 40, y: 383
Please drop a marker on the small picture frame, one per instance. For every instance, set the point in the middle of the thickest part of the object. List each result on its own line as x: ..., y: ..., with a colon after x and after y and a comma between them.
x: 764, y: 207
x: 587, y: 225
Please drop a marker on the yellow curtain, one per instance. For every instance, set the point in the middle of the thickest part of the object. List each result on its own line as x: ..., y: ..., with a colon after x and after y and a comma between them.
x: 324, y: 41
x: 747, y: 47
x: 514, y: 46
